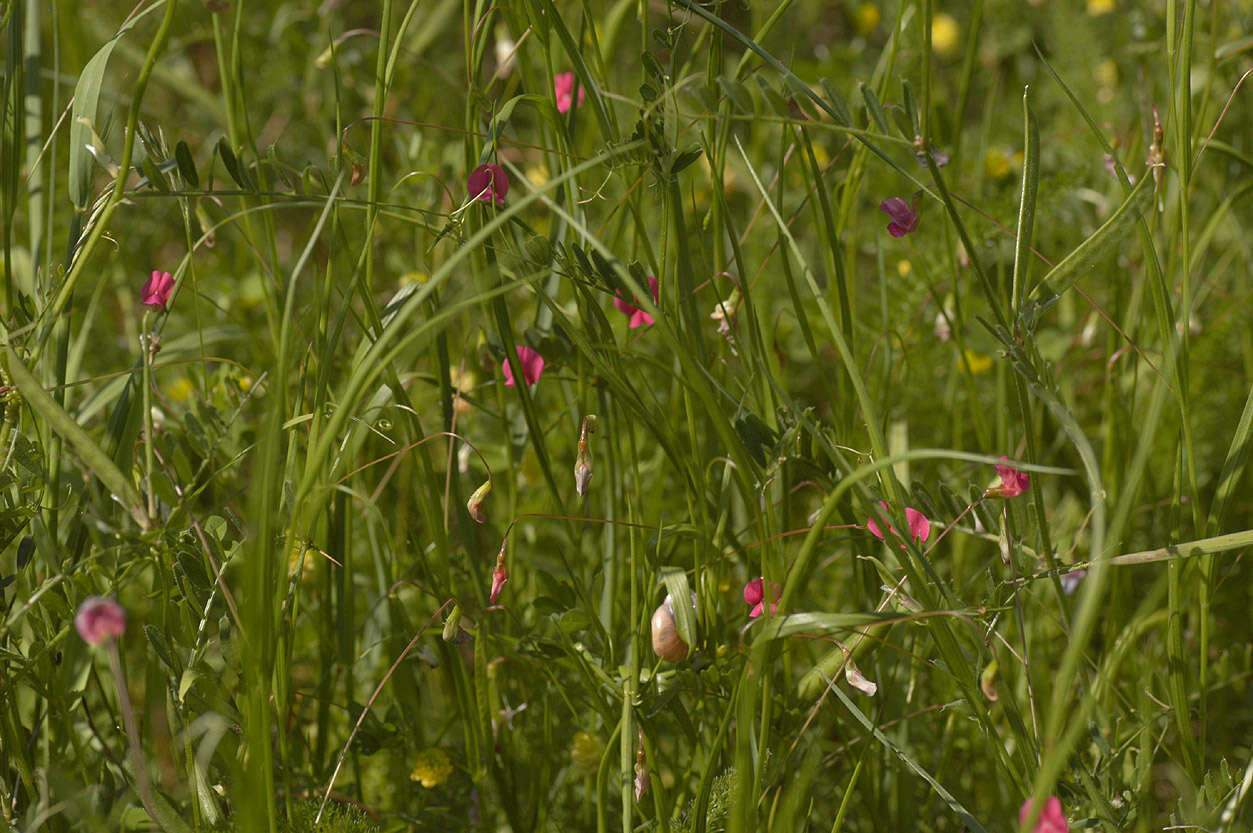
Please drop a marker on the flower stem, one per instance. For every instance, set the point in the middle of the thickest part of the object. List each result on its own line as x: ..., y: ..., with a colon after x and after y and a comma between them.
x: 132, y: 730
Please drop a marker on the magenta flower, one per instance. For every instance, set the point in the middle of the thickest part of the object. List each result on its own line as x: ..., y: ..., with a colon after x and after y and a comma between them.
x: 156, y: 292
x: 532, y: 366
x: 919, y: 526
x: 1013, y: 482
x: 487, y: 183
x: 637, y: 316
x: 1051, y: 820
x: 99, y: 620
x: 904, y: 218
x: 563, y: 86
x: 754, y: 594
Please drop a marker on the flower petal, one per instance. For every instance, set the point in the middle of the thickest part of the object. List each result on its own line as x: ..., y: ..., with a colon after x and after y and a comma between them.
x: 532, y: 366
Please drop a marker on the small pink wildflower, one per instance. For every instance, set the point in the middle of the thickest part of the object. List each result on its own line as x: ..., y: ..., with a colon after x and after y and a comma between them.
x: 532, y: 366
x: 157, y: 289
x: 919, y: 526
x: 563, y: 86
x: 99, y: 620
x: 1051, y: 820
x: 487, y: 183
x: 904, y: 218
x: 637, y: 317
x: 1013, y: 482
x: 754, y: 594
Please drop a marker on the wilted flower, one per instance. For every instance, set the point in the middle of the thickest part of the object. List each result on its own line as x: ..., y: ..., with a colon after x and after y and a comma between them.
x: 724, y: 313
x: 156, y: 291
x: 754, y: 594
x: 1013, y: 482
x: 583, y: 461
x: 1051, y: 820
x: 563, y: 86
x: 431, y: 768
x: 99, y: 620
x: 919, y: 526
x: 532, y: 366
x: 487, y: 183
x: 904, y: 218
x: 637, y: 316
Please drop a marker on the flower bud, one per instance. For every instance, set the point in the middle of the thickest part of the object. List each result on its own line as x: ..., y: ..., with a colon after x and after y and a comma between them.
x: 499, y: 576
x: 475, y: 503
x: 452, y: 625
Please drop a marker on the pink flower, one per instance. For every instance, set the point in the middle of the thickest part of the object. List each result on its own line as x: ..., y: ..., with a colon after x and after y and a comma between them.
x: 637, y: 316
x: 754, y: 593
x: 99, y: 620
x: 563, y: 86
x: 156, y: 292
x: 904, y: 218
x: 1013, y: 482
x: 487, y: 183
x: 1051, y: 820
x: 532, y: 366
x: 919, y: 526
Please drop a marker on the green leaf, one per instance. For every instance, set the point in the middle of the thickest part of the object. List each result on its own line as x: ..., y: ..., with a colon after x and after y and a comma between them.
x: 685, y: 159
x: 238, y: 173
x: 818, y: 624
x: 86, y: 98
x: 186, y: 165
x: 93, y: 456
x: 1085, y: 257
x: 156, y: 637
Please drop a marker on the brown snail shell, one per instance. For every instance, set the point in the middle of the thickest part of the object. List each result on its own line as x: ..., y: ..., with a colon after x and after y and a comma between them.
x: 666, y: 641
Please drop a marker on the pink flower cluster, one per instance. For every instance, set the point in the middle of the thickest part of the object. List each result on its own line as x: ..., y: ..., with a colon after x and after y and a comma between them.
x: 919, y: 526
x: 1051, y: 820
x: 488, y: 183
x: 755, y: 594
x: 1013, y: 482
x: 100, y: 620
x: 563, y: 87
x: 636, y: 316
x: 156, y: 291
x: 532, y: 366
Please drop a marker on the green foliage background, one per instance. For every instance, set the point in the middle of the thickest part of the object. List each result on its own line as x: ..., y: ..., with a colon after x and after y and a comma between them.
x: 272, y: 475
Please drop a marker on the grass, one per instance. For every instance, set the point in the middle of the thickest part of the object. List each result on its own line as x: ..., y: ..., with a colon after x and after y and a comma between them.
x: 277, y: 472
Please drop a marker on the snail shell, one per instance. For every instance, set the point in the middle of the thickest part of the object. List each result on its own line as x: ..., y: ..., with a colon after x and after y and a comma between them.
x: 666, y: 641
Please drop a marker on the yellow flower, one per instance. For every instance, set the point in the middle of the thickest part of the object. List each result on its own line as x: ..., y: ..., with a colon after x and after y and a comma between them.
x: 180, y: 390
x: 945, y: 35
x: 865, y: 18
x: 996, y: 163
x: 903, y: 268
x: 1096, y: 8
x: 586, y: 751
x: 978, y: 362
x: 537, y: 175
x: 1106, y: 71
x: 432, y: 767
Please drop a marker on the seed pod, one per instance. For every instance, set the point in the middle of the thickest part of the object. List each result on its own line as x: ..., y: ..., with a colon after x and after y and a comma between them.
x: 666, y: 641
